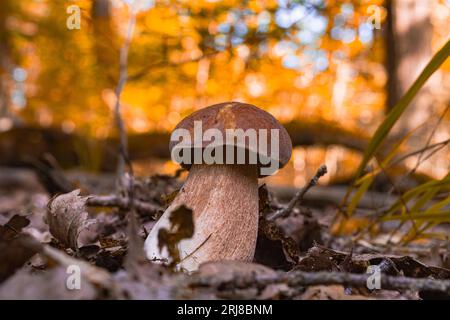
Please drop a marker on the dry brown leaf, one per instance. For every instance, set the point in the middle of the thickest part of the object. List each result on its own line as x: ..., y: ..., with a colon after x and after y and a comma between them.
x: 13, y: 252
x: 182, y: 228
x: 320, y: 258
x: 274, y: 233
x: 67, y: 218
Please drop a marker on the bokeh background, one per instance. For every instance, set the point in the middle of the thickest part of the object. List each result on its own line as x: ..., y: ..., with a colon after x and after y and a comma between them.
x: 327, y: 69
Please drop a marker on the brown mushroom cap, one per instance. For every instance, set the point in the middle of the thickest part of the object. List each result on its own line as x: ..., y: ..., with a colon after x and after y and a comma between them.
x: 237, y: 115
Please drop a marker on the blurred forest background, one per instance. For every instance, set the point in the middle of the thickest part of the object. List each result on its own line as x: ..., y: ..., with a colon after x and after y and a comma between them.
x: 329, y: 70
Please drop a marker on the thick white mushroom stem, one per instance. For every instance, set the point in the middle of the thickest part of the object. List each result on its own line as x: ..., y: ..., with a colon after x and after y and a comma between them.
x: 224, y: 200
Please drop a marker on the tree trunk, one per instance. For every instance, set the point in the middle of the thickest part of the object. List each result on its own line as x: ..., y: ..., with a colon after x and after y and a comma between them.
x: 5, y: 60
x: 409, y: 49
x: 106, y: 42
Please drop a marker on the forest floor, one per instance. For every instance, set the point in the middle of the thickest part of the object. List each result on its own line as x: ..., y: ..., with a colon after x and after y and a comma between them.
x: 48, y: 231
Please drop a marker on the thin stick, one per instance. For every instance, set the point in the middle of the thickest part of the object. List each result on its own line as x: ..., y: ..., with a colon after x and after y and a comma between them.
x: 122, y: 203
x: 123, y: 76
x: 126, y: 186
x: 302, y: 279
x: 298, y: 198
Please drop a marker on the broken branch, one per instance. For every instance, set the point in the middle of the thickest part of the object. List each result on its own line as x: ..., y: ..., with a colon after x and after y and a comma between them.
x: 299, y: 196
x: 302, y: 279
x: 122, y: 203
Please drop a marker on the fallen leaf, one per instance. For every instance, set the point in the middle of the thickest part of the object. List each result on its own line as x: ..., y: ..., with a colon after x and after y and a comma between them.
x: 274, y: 233
x: 67, y: 218
x: 182, y: 227
x: 320, y: 258
x: 14, y: 248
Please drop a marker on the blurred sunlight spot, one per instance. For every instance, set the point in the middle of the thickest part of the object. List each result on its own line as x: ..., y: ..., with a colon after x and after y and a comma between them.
x: 321, y: 63
x: 255, y: 85
x: 283, y: 18
x: 306, y: 37
x: 140, y: 5
x: 173, y: 118
x: 224, y: 27
x: 348, y: 35
x: 45, y: 117
x: 264, y: 17
x: 339, y: 20
x: 317, y: 24
x: 299, y: 158
x: 336, y: 33
x: 291, y: 61
x: 5, y: 124
x: 18, y: 98
x: 263, y: 48
x: 243, y: 51
x: 298, y: 12
x: 240, y: 28
x: 101, y: 132
x: 316, y: 3
x: 299, y: 180
x: 236, y: 40
x: 139, y: 125
x: 365, y: 33
x: 304, y: 80
x: 68, y: 126
x: 347, y: 10
x: 20, y: 74
x: 283, y: 3
x: 366, y: 116
x: 284, y: 47
x: 221, y: 41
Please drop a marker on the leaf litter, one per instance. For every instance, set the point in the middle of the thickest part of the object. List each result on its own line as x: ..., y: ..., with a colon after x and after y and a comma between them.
x: 298, y: 242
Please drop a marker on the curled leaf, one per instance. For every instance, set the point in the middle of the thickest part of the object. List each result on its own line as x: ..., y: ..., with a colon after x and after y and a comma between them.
x: 67, y: 218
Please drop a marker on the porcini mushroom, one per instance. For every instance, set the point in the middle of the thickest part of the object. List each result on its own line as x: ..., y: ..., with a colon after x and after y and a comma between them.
x: 223, y: 193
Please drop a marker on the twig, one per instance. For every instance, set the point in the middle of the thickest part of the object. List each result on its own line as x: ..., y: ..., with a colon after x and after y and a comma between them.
x: 126, y: 186
x: 299, y: 196
x: 122, y: 203
x: 123, y: 76
x: 433, y: 132
x: 303, y: 279
x: 438, y: 146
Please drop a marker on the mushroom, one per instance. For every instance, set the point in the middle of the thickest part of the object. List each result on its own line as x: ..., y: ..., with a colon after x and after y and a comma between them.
x: 223, y: 194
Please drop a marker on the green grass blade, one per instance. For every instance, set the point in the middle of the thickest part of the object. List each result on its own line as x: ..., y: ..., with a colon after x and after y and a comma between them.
x: 385, y: 127
x: 426, y: 216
